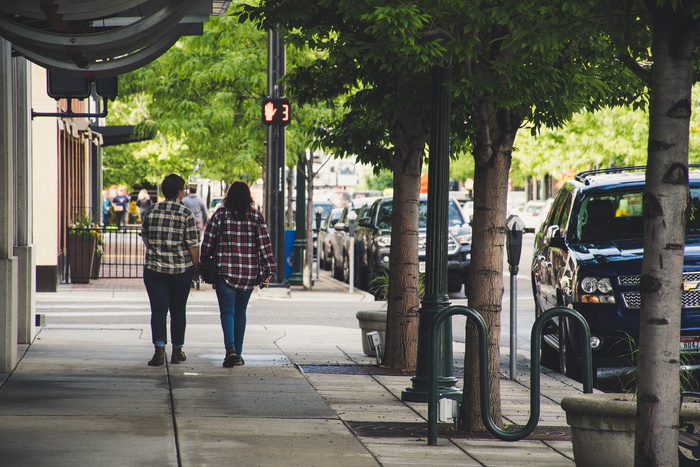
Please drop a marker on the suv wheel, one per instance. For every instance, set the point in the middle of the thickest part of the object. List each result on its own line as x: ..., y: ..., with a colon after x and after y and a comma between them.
x: 321, y: 260
x: 346, y: 269
x: 568, y: 364
x: 337, y: 272
x: 326, y: 261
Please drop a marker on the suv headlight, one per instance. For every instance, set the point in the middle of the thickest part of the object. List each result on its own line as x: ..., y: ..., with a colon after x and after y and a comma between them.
x: 384, y: 241
x: 464, y: 238
x: 597, y: 290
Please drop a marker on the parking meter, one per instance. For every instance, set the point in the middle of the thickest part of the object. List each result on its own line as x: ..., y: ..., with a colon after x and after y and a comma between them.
x: 352, y: 220
x: 317, y: 213
x: 514, y: 241
x: 317, y: 244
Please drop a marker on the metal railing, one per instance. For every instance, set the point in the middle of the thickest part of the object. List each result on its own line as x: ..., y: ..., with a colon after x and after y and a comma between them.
x: 484, y: 384
x: 123, y: 251
x: 124, y: 254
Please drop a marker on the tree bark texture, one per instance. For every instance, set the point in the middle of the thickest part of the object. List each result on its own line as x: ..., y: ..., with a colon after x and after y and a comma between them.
x: 665, y: 205
x: 409, y: 136
x: 492, y: 155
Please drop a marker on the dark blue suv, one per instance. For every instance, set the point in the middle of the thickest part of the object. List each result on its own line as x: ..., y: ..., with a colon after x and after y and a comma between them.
x: 588, y: 256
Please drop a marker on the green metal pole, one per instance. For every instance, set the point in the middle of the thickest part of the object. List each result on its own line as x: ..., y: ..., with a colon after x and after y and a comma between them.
x: 297, y: 277
x: 436, y: 298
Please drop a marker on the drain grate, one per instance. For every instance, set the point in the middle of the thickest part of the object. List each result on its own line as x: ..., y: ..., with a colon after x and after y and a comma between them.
x: 420, y: 430
x: 352, y: 369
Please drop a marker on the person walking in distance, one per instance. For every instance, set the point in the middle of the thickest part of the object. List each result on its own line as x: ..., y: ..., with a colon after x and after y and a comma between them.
x: 143, y: 201
x: 238, y: 233
x: 106, y: 208
x: 198, y: 208
x: 121, y: 206
x: 169, y: 233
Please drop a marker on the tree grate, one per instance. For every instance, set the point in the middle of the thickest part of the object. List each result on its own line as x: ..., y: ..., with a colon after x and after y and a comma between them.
x: 356, y: 369
x: 420, y: 430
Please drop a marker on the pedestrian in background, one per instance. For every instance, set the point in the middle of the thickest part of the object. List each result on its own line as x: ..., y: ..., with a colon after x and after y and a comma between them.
x: 198, y: 208
x: 244, y: 259
x: 142, y: 202
x: 121, y: 206
x: 172, y: 260
x: 106, y: 208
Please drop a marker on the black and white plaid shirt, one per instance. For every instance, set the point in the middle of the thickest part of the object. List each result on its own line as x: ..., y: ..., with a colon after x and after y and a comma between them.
x: 168, y: 230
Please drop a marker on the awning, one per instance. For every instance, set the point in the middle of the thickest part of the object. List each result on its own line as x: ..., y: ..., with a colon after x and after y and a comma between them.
x: 114, y: 135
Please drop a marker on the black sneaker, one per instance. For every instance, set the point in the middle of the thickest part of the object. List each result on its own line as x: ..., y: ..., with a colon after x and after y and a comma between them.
x: 231, y: 360
x: 237, y: 360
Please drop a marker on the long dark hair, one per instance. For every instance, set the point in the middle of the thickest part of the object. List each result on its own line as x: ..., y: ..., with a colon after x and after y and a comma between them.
x: 238, y: 200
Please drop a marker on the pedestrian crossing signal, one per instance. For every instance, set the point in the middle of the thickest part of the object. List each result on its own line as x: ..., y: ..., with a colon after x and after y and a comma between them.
x: 276, y: 111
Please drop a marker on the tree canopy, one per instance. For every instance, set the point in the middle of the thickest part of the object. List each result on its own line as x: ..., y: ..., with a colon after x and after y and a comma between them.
x: 202, y: 101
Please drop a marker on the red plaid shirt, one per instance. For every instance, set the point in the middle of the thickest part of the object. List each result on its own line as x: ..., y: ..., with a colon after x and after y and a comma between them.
x: 244, y: 255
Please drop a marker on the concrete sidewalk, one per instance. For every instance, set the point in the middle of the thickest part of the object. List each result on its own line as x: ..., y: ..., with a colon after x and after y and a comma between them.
x: 307, y: 395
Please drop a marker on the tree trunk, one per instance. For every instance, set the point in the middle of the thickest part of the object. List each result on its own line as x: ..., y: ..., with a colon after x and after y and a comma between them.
x: 409, y: 136
x: 492, y: 156
x: 665, y: 204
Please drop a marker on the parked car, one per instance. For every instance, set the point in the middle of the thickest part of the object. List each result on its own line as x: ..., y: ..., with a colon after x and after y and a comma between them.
x: 340, y: 241
x: 373, y: 243
x: 324, y: 239
x: 531, y: 214
x: 588, y: 256
x: 324, y: 207
x: 215, y: 203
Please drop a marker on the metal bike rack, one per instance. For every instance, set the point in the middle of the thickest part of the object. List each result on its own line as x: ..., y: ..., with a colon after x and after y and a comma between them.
x: 484, y: 386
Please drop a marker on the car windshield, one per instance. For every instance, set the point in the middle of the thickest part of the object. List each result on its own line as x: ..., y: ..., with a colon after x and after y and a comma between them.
x: 619, y: 215
x: 453, y: 214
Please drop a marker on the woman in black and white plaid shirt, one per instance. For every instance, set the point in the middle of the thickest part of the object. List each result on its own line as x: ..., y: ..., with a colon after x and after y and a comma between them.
x: 172, y: 259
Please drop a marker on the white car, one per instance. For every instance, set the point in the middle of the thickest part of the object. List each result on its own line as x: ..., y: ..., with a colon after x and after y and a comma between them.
x: 531, y: 215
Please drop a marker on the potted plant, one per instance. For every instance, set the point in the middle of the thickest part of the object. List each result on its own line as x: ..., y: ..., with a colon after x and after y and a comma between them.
x: 375, y: 320
x: 97, y: 259
x: 603, y: 424
x: 82, y: 241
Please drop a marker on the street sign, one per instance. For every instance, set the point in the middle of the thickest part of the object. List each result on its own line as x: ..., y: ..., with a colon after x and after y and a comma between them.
x: 276, y: 111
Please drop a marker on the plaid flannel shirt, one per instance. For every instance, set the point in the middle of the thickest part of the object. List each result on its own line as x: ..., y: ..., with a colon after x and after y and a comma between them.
x: 244, y: 255
x: 168, y: 230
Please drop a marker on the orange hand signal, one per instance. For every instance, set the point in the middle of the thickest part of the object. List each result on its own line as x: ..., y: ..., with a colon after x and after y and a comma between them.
x: 270, y: 111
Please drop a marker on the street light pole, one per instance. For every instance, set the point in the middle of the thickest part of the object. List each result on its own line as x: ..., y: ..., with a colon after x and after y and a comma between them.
x: 436, y: 298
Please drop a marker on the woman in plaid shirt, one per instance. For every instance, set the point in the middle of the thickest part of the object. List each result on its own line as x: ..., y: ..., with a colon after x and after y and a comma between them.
x: 243, y: 260
x: 172, y: 259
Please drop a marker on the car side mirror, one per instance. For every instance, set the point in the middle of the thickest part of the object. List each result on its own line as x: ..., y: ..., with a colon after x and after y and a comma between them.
x: 553, y: 237
x: 340, y: 226
x: 364, y: 222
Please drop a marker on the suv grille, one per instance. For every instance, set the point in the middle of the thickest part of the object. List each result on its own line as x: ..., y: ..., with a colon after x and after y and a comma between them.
x: 452, y: 245
x: 633, y: 300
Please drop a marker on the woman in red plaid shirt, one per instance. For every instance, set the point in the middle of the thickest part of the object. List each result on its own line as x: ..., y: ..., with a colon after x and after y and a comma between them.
x: 243, y: 260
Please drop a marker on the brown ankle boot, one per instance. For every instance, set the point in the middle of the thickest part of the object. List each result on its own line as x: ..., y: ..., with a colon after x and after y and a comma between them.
x: 158, y: 357
x: 178, y: 356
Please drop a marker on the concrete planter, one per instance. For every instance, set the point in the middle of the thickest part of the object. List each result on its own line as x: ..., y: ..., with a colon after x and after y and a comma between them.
x: 602, y: 427
x: 371, y: 320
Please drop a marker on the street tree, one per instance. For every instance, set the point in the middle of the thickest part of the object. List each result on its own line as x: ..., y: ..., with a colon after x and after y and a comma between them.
x: 670, y: 31
x: 513, y: 62
x: 385, y: 122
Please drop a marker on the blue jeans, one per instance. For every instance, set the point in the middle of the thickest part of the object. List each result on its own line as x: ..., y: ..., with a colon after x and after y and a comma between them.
x: 168, y: 292
x: 232, y: 308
